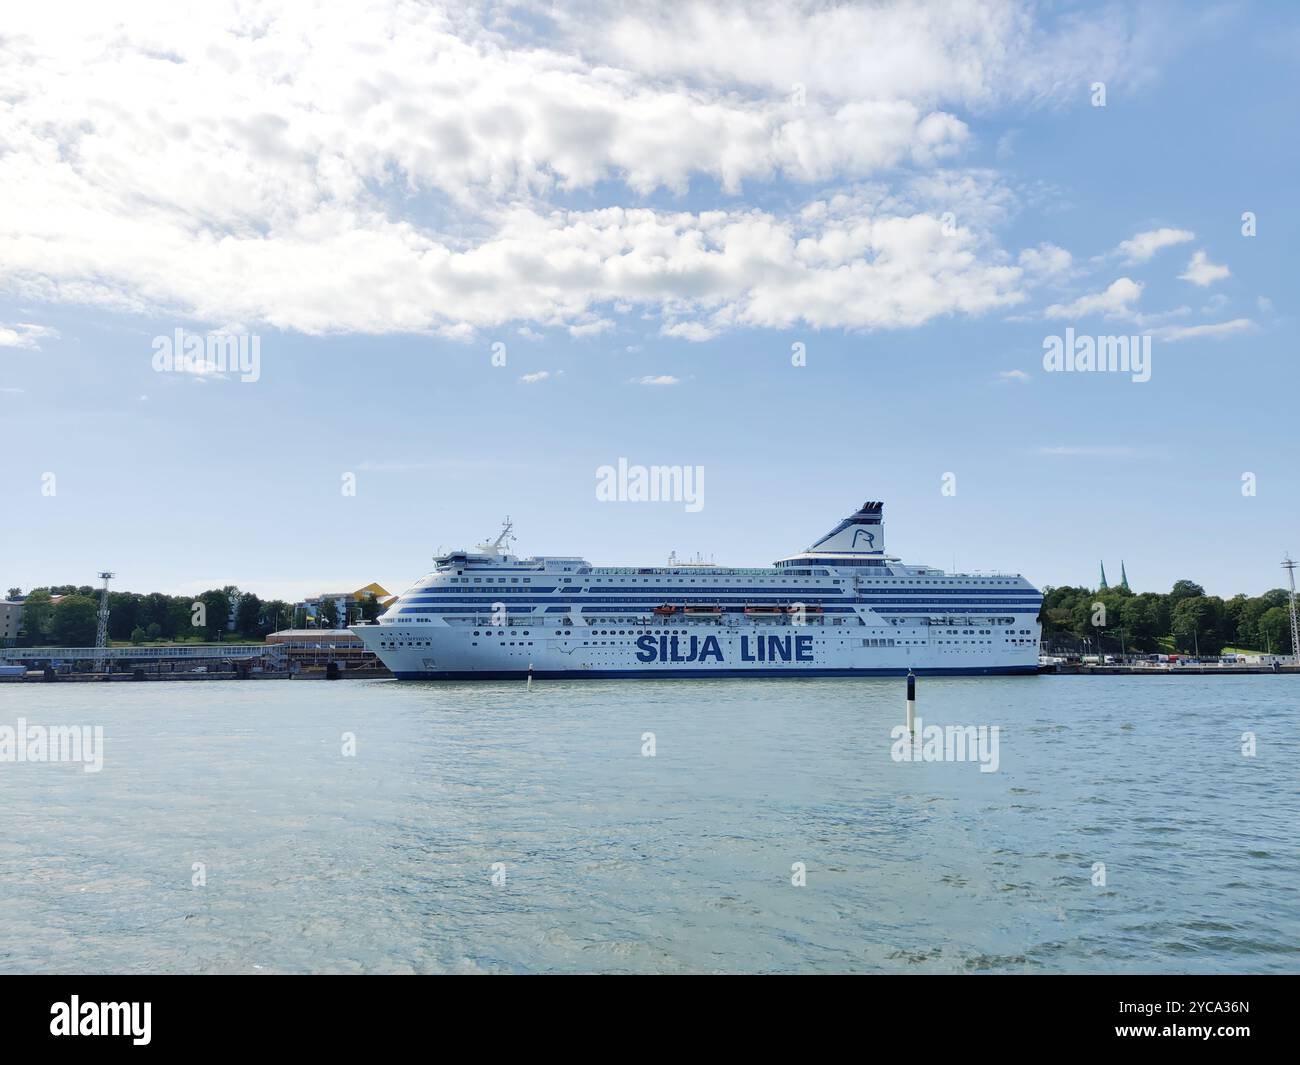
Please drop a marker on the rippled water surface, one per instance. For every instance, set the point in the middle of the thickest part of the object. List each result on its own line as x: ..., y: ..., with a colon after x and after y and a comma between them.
x: 681, y: 862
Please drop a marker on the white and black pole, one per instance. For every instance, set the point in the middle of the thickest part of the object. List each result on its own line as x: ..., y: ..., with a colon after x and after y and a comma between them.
x: 911, y: 703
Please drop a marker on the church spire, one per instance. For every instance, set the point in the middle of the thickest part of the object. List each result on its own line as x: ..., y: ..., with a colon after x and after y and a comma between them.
x: 1123, y: 577
x: 1103, y: 586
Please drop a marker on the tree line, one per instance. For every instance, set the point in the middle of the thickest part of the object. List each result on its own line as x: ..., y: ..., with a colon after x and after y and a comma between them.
x: 1118, y: 619
x: 139, y: 618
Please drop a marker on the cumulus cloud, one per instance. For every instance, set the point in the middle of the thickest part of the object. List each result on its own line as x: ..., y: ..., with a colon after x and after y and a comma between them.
x: 1143, y: 246
x: 24, y: 335
x: 1047, y: 261
x: 1200, y: 271
x: 661, y: 379
x: 404, y: 167
x: 971, y: 55
x: 1116, y: 301
x: 1014, y: 375
x: 533, y: 378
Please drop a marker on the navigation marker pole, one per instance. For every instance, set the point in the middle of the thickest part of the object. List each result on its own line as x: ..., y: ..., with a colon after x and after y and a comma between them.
x: 911, y: 703
x: 529, y: 685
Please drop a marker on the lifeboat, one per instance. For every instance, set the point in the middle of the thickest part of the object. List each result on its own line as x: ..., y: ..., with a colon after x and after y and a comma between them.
x: 764, y: 611
x: 666, y: 610
x: 706, y: 610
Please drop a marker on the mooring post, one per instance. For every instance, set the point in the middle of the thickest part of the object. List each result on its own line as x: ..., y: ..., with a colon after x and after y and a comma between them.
x: 911, y: 703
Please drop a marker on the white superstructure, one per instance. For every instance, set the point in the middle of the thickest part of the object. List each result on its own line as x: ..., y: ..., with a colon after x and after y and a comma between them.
x: 842, y: 607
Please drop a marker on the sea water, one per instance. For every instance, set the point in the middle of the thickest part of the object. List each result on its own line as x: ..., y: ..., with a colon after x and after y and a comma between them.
x: 1133, y: 824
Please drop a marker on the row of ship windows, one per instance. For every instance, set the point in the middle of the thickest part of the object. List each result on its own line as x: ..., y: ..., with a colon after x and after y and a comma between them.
x: 729, y: 580
x: 755, y: 593
x: 845, y: 606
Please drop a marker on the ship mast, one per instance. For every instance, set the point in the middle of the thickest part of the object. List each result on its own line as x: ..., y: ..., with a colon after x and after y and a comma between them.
x: 504, y: 538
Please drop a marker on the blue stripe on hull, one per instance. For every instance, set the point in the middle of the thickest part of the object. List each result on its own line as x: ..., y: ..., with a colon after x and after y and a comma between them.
x: 647, y: 674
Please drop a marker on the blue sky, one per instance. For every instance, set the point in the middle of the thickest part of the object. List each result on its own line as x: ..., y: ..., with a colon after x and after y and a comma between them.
x: 631, y: 211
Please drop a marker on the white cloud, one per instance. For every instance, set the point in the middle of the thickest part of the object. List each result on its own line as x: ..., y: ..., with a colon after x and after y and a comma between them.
x: 971, y: 55
x: 662, y: 379
x: 25, y: 335
x: 397, y: 167
x: 1115, y: 302
x: 533, y: 378
x: 1143, y: 246
x: 1214, y: 330
x: 1200, y: 271
x: 1014, y: 375
x: 1047, y: 261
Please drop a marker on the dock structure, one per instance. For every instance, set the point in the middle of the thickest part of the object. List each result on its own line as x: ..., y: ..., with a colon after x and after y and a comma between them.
x: 269, y: 656
x: 1166, y: 669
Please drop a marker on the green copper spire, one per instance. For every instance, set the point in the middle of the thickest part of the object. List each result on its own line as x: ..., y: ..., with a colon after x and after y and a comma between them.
x: 1103, y: 586
x: 1123, y: 577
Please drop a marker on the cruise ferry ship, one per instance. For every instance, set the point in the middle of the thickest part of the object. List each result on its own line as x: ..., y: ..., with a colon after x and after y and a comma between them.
x: 843, y: 607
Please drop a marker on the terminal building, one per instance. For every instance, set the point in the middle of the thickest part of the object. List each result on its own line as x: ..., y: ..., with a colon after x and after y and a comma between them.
x: 317, y: 648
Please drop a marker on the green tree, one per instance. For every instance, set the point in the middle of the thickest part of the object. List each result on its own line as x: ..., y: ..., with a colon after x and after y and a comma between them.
x: 123, y: 614
x: 154, y: 630
x: 215, y: 613
x: 1197, y: 624
x: 329, y: 614
x: 1138, y: 621
x: 1158, y: 608
x: 1184, y: 590
x: 180, y: 615
x: 75, y: 621
x: 154, y: 609
x: 1275, y: 630
x: 138, y: 635
x: 248, y: 618
x: 38, y: 617
x: 276, y: 614
x: 13, y: 593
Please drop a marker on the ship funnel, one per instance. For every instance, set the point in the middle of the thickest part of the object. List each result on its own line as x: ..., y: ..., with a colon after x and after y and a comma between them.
x: 861, y: 533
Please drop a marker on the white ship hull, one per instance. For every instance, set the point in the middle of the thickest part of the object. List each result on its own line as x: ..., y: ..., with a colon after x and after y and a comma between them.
x: 841, y: 608
x: 416, y: 653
